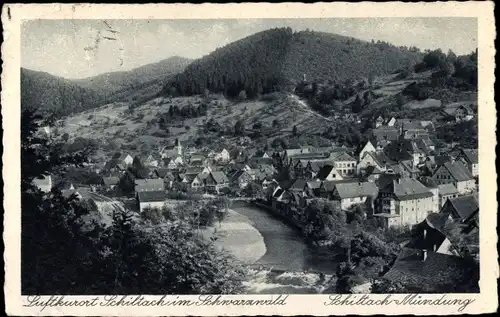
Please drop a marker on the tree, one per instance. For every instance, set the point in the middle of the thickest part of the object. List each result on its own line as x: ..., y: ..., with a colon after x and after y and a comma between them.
x: 127, y: 183
x: 295, y: 131
x: 357, y: 105
x: 242, y: 96
x: 239, y: 127
x: 65, y: 137
x: 49, y: 220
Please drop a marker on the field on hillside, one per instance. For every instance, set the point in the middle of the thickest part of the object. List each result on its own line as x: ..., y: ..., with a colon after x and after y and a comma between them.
x: 137, y: 128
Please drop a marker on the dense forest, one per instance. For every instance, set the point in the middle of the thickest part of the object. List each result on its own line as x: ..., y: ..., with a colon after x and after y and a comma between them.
x: 278, y: 59
x: 115, y: 83
x: 55, y: 96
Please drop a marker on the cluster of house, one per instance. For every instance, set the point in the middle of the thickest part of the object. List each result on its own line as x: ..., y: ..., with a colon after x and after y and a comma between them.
x: 401, y: 179
x: 436, y: 259
x: 175, y: 168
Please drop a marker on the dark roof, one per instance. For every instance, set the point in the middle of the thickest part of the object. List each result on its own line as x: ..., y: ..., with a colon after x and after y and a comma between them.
x: 239, y: 174
x: 406, y: 189
x: 313, y: 184
x: 306, y: 156
x: 464, y: 206
x: 324, y: 172
x: 278, y: 192
x: 386, y: 133
x: 380, y: 158
x: 298, y: 184
x: 437, y: 220
x: 153, y: 196
x: 219, y: 177
x: 110, y: 180
x: 471, y: 155
x: 330, y: 185
x: 149, y: 184
x: 342, y: 156
x: 316, y: 165
x: 428, y: 182
x: 163, y: 172
x: 447, y: 189
x: 458, y: 171
x: 437, y: 273
x: 350, y: 190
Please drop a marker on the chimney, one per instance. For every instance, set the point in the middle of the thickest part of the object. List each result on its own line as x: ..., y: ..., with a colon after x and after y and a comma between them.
x: 424, y: 254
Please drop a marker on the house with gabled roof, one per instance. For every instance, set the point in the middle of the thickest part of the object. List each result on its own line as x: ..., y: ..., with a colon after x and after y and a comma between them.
x: 403, y: 202
x: 326, y: 188
x: 223, y: 156
x: 446, y: 191
x: 149, y: 185
x: 152, y: 160
x: 241, y: 179
x: 470, y: 158
x: 328, y: 173
x: 215, y: 181
x: 344, y: 164
x: 457, y: 174
x: 385, y: 133
x: 354, y: 193
x: 464, y: 209
x: 379, y: 121
x: 125, y: 159
x: 375, y: 159
x: 110, y: 183
x: 368, y: 147
x: 314, y: 166
x: 151, y: 199
x: 165, y: 174
x: 423, y: 271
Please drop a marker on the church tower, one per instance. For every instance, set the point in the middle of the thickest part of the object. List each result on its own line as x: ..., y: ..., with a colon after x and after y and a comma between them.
x: 178, y: 147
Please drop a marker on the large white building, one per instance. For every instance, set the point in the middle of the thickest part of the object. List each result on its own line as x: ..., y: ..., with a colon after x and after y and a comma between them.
x: 404, y: 202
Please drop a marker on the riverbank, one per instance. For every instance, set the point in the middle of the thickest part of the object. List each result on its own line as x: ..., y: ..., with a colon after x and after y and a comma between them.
x: 237, y: 236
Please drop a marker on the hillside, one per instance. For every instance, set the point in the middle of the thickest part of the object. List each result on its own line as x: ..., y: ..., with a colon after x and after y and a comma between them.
x: 111, y: 83
x: 51, y: 95
x: 277, y: 59
x: 56, y: 96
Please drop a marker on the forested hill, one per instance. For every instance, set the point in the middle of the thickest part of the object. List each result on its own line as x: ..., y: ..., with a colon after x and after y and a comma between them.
x: 109, y: 84
x: 55, y: 96
x: 277, y: 59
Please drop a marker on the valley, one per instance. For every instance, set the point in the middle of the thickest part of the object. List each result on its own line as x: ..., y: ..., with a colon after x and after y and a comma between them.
x: 345, y: 152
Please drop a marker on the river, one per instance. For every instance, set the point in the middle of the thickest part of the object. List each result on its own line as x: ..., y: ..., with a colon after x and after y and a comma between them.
x: 290, y: 266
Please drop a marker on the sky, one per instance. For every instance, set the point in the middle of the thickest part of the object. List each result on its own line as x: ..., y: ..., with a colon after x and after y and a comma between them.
x: 84, y: 48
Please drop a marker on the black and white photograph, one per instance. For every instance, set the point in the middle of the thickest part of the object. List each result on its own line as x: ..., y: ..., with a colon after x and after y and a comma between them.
x: 250, y: 156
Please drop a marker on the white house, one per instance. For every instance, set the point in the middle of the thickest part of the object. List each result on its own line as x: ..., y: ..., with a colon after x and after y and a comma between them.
x: 328, y: 173
x: 44, y: 184
x: 350, y: 194
x: 344, y: 164
x: 470, y: 158
x: 153, y: 199
x: 223, y: 156
x: 403, y: 201
x: 367, y: 148
x: 457, y: 174
x: 126, y: 159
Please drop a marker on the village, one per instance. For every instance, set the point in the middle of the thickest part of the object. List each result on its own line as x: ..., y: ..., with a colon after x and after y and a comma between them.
x: 398, y: 177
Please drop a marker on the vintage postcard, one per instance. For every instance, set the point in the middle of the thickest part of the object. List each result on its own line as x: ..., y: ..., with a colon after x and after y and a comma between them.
x: 249, y: 159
